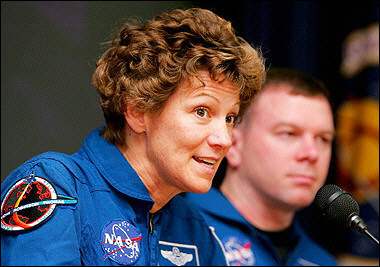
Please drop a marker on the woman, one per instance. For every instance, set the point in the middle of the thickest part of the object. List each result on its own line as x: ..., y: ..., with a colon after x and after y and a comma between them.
x: 171, y: 91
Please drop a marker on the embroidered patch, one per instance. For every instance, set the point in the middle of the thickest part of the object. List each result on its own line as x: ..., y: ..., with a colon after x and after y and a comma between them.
x: 178, y: 254
x: 30, y: 202
x: 238, y: 251
x: 120, y: 242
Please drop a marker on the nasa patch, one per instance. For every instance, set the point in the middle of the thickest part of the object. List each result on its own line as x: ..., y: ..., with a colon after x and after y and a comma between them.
x: 238, y: 251
x: 30, y: 202
x: 120, y: 242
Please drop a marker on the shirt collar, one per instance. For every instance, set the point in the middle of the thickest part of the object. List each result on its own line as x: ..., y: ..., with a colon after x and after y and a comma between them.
x: 214, y: 202
x: 114, y: 167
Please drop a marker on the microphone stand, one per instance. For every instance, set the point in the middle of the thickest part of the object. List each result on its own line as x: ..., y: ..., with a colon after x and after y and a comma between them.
x: 371, y: 236
x: 358, y: 224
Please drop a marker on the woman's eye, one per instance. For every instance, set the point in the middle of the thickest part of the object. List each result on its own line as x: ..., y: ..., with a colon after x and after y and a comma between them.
x: 201, y: 112
x: 231, y: 119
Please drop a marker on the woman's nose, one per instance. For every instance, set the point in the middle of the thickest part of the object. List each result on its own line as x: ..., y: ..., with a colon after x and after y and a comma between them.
x: 220, y: 135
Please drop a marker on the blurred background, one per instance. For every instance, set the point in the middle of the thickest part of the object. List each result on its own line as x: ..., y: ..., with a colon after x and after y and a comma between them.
x: 49, y: 50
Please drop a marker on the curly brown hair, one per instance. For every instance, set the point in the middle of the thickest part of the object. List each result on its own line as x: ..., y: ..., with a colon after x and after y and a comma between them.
x: 144, y: 64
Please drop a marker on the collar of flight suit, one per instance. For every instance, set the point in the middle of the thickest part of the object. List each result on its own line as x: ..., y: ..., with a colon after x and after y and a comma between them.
x: 114, y: 167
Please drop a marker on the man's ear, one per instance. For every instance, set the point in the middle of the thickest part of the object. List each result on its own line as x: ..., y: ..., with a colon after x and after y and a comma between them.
x: 135, y: 119
x: 234, y: 153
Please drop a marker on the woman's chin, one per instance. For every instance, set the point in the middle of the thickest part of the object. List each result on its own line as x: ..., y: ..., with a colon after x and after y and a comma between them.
x: 201, y: 188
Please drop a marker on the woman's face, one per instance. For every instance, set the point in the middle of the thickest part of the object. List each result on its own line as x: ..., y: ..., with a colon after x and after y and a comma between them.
x: 188, y: 139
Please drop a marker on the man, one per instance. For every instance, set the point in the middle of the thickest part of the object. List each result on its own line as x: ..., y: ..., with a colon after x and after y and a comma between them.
x: 279, y: 158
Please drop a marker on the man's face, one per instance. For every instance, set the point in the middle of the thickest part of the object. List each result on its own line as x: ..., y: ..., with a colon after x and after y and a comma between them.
x: 286, y: 146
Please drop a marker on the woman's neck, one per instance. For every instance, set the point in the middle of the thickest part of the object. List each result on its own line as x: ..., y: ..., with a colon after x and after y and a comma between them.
x: 158, y: 190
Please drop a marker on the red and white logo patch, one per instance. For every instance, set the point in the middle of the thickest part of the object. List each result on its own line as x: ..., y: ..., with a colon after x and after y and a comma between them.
x: 30, y: 202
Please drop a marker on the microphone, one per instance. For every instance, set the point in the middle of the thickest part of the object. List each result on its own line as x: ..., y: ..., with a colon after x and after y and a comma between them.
x: 340, y: 208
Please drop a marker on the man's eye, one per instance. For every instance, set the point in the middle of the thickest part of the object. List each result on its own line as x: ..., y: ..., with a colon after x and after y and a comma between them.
x: 287, y: 134
x: 326, y: 140
x: 201, y: 112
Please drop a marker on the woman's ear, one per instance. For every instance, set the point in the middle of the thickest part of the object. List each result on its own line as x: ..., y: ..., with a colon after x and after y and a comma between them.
x: 234, y: 153
x: 135, y: 119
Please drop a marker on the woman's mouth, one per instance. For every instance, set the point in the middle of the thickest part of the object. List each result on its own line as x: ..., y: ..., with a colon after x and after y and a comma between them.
x: 208, y: 162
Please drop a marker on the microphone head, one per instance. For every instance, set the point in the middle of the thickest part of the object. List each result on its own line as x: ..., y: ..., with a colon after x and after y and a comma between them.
x: 335, y: 204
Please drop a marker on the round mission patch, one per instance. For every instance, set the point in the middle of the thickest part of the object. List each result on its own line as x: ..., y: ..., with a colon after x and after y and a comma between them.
x: 120, y: 241
x: 30, y: 202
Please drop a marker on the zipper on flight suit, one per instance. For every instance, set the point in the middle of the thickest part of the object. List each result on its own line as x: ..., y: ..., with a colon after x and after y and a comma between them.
x: 152, y: 237
x: 151, y: 223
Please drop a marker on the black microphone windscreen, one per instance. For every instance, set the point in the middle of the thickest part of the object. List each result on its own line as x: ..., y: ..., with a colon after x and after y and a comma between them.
x: 337, y: 205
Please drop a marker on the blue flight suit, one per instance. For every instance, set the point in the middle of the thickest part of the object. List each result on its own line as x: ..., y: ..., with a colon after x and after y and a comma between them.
x: 245, y: 245
x: 106, y: 220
